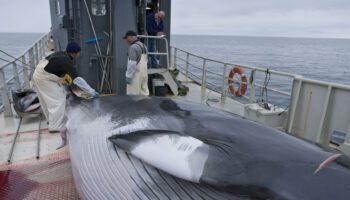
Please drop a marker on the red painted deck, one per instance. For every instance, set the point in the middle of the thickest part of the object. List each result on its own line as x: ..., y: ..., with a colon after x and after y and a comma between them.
x: 49, y: 178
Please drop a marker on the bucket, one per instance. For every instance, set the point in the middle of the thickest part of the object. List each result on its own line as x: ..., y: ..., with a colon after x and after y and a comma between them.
x: 160, y: 91
x: 156, y: 83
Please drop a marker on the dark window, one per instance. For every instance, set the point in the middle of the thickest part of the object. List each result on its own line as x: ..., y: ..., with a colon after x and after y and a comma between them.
x: 98, y: 7
x: 57, y: 6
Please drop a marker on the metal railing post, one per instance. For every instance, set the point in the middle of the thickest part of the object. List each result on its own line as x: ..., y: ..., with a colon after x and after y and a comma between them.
x: 175, y: 56
x: 31, y: 59
x: 43, y: 46
x: 41, y: 49
x: 25, y: 73
x: 187, y: 62
x: 252, y: 87
x: 223, y: 89
x: 171, y: 56
x: 15, y: 73
x: 46, y: 43
x: 204, y: 76
x: 167, y: 52
x: 4, y: 94
x: 36, y: 53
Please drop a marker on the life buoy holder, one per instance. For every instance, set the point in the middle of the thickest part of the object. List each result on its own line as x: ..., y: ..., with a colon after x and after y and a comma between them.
x: 243, y: 85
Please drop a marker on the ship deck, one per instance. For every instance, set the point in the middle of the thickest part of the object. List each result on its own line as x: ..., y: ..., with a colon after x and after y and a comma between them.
x: 26, y: 177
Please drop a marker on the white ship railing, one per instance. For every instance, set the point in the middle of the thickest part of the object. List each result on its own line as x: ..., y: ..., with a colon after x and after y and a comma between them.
x: 224, y: 75
x: 316, y: 108
x: 160, y: 38
x: 22, y: 69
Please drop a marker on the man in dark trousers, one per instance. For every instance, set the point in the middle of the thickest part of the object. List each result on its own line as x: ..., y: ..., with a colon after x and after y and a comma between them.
x: 154, y: 26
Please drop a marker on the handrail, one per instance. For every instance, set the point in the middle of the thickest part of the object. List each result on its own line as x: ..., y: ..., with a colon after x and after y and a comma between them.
x: 253, y: 85
x: 26, y: 51
x: 243, y: 66
x: 166, y: 53
x: 34, y: 53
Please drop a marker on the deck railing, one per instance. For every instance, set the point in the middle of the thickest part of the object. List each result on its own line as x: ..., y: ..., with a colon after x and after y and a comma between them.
x: 22, y: 68
x: 316, y: 108
x: 186, y: 66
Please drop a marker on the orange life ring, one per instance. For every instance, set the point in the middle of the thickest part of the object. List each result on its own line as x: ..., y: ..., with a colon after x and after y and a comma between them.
x: 243, y: 84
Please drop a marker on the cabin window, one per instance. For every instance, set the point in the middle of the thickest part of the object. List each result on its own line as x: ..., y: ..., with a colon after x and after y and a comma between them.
x: 98, y: 7
x: 57, y: 7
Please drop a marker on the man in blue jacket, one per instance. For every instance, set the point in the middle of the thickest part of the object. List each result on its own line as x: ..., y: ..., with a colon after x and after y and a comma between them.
x: 154, y: 26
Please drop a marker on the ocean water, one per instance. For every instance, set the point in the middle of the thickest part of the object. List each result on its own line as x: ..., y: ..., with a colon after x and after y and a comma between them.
x: 320, y: 59
x: 16, y: 43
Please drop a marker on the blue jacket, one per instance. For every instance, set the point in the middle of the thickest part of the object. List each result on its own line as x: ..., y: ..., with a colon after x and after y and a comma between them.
x: 151, y: 25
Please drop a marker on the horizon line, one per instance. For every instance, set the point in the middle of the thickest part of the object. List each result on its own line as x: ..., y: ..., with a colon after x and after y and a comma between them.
x: 222, y: 35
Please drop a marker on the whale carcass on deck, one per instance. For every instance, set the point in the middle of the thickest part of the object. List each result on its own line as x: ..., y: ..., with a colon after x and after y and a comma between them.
x: 130, y: 147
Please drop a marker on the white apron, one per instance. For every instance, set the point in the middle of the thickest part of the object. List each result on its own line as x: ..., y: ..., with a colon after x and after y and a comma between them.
x: 139, y: 82
x: 51, y: 95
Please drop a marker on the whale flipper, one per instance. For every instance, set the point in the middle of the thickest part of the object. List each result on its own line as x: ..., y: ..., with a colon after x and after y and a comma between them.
x: 177, y: 154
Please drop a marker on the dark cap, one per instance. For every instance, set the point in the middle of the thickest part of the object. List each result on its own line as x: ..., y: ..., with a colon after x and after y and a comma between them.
x: 129, y: 33
x: 73, y: 47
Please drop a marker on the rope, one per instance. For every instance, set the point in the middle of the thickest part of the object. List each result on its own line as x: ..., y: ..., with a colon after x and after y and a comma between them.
x: 18, y: 65
x: 16, y: 59
x: 264, y: 89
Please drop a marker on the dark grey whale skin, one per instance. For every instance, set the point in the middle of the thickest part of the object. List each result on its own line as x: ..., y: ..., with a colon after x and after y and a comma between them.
x: 245, y: 158
x: 22, y: 99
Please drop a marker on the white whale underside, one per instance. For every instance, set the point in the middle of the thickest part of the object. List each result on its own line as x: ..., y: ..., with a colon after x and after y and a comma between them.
x: 181, y: 156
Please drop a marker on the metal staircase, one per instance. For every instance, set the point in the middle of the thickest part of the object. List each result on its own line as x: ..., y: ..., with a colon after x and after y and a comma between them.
x: 168, y: 79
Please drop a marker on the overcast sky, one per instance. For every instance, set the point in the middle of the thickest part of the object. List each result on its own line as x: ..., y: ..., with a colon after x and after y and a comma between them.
x: 296, y: 18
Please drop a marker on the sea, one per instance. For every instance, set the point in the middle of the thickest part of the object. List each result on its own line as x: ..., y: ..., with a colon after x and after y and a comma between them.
x: 321, y: 59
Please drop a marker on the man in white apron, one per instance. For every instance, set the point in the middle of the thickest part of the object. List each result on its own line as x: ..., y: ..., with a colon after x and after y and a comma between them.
x: 136, y: 76
x: 48, y: 77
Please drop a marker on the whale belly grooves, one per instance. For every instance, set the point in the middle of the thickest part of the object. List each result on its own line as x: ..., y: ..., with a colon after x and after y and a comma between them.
x: 103, y: 170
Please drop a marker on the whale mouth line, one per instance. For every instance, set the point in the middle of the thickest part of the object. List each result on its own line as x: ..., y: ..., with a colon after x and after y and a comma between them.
x: 327, y: 161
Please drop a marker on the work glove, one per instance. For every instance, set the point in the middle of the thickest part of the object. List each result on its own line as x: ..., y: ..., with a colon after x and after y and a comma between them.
x: 66, y: 84
x: 128, y: 80
x: 95, y: 95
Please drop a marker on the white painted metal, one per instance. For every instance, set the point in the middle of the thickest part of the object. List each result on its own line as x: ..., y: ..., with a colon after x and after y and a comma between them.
x: 166, y: 53
x: 204, y: 76
x: 4, y: 94
x: 26, y: 84
x: 36, y: 53
x: 252, y: 86
x: 187, y: 61
x: 224, y: 81
x: 346, y: 146
x: 168, y: 79
x: 274, y: 117
x: 16, y: 75
x: 324, y: 111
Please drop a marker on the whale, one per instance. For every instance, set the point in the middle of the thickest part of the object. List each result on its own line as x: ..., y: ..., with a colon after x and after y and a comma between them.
x: 26, y: 103
x: 134, y: 147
